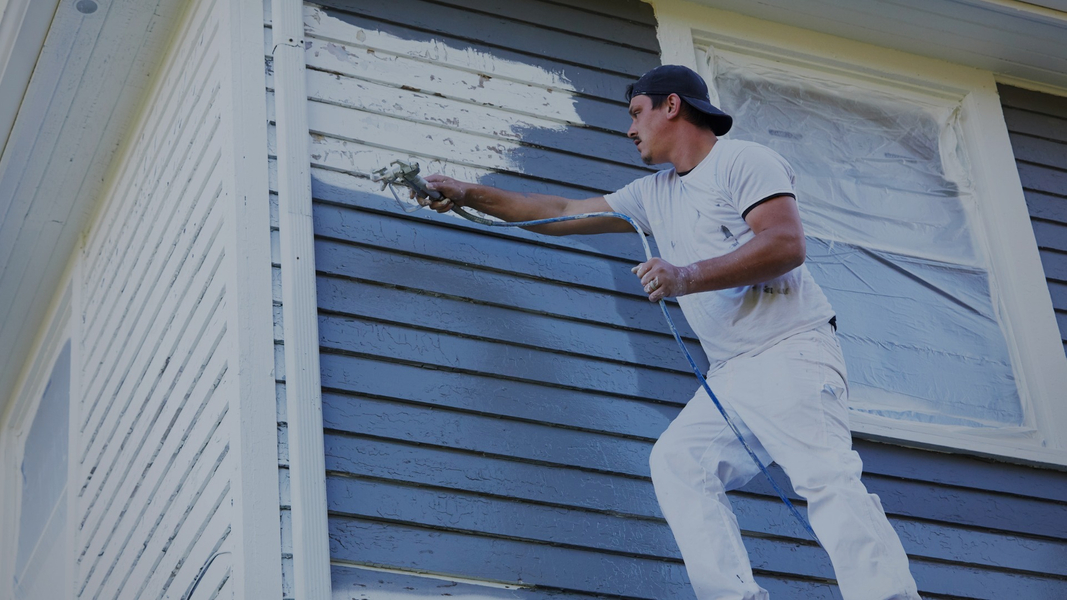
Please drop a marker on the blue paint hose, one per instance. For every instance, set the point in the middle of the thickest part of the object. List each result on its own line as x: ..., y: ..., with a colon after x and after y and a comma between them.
x: 412, y: 179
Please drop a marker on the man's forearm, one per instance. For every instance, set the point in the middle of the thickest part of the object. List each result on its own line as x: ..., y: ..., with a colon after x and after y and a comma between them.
x: 767, y: 256
x: 517, y: 206
x: 513, y: 206
x: 770, y: 254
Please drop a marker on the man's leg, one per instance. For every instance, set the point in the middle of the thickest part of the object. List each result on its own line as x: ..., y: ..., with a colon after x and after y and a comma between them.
x: 693, y: 464
x: 794, y: 397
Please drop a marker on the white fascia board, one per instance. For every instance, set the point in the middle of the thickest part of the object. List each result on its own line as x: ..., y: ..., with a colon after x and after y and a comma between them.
x: 1029, y: 84
x: 1060, y: 5
x: 1049, y: 10
x: 1010, y: 38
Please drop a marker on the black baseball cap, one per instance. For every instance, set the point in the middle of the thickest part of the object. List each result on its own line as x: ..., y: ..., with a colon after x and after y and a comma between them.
x: 665, y: 80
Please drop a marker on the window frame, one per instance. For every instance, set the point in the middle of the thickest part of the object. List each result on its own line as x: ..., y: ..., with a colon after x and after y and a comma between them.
x: 1001, y: 223
x: 15, y: 423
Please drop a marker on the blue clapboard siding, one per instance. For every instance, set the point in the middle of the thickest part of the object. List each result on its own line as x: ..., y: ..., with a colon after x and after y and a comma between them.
x: 490, y: 397
x: 1037, y: 125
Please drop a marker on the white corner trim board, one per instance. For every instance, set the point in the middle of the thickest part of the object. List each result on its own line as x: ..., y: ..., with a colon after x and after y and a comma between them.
x: 258, y: 570
x: 1001, y: 221
x: 307, y: 468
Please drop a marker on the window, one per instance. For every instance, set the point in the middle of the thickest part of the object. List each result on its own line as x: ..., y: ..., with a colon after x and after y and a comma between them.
x: 35, y: 557
x: 41, y: 558
x: 917, y: 228
x: 886, y: 200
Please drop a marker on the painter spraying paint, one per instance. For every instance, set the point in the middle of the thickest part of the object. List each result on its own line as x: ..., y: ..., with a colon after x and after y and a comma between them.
x: 407, y: 174
x: 766, y: 326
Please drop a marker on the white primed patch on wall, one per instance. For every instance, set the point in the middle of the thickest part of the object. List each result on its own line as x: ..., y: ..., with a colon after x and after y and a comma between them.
x: 375, y: 97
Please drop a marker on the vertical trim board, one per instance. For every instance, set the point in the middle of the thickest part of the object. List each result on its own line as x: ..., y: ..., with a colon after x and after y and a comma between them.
x: 252, y: 570
x: 311, y: 574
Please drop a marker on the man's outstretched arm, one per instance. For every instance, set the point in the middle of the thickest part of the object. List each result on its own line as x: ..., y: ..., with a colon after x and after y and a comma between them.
x: 516, y: 206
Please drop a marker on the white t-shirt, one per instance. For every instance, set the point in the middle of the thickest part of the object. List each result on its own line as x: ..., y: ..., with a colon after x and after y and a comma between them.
x: 700, y: 215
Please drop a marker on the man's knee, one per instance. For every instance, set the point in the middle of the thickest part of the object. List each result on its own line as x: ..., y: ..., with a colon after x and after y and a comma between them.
x: 664, y: 458
x: 676, y: 456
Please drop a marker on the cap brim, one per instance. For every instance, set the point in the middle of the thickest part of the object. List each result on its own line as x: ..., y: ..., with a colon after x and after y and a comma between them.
x: 720, y: 121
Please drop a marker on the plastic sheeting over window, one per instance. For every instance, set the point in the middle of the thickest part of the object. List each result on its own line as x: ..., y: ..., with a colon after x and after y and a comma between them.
x: 886, y: 200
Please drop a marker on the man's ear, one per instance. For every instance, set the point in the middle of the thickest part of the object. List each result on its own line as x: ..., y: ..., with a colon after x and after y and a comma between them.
x: 674, y: 106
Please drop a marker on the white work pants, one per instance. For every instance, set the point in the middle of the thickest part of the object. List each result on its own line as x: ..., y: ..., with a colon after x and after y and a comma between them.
x: 791, y: 399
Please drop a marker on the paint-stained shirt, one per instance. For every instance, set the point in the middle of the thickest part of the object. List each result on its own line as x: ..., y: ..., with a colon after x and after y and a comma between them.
x: 700, y: 215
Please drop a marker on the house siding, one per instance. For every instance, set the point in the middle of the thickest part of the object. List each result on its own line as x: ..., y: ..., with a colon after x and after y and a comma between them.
x: 1037, y: 125
x: 157, y: 342
x: 440, y: 341
x: 490, y: 397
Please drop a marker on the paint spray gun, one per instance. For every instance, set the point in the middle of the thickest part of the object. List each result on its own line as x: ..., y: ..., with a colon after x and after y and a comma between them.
x: 407, y: 174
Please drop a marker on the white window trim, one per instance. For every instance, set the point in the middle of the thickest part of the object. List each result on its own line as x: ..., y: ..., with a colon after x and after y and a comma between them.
x: 1027, y: 314
x: 15, y: 424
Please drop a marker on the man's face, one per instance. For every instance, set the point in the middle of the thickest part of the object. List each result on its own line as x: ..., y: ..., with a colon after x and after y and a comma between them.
x: 646, y: 129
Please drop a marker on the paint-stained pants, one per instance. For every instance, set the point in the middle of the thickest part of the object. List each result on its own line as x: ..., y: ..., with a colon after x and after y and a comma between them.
x: 791, y: 400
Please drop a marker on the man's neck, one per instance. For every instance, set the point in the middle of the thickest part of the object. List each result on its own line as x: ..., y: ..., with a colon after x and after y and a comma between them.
x: 691, y: 150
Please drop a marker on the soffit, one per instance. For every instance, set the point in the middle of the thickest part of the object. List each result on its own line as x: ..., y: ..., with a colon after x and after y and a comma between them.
x: 87, y: 83
x: 1016, y: 40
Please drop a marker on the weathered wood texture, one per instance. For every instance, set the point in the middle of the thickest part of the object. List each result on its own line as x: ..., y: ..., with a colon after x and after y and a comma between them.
x: 491, y: 397
x: 153, y: 500
x: 1037, y: 125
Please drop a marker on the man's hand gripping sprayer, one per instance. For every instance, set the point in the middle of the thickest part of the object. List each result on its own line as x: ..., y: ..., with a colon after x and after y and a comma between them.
x: 407, y: 174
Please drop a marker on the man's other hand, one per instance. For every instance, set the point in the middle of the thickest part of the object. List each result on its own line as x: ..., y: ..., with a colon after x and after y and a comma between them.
x: 660, y: 279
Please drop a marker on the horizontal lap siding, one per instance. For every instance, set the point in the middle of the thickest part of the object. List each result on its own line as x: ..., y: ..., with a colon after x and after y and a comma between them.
x: 153, y: 500
x: 535, y: 366
x: 490, y: 397
x: 1037, y: 125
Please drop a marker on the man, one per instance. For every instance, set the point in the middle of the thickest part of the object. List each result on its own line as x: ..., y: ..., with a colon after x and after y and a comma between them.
x: 726, y: 220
